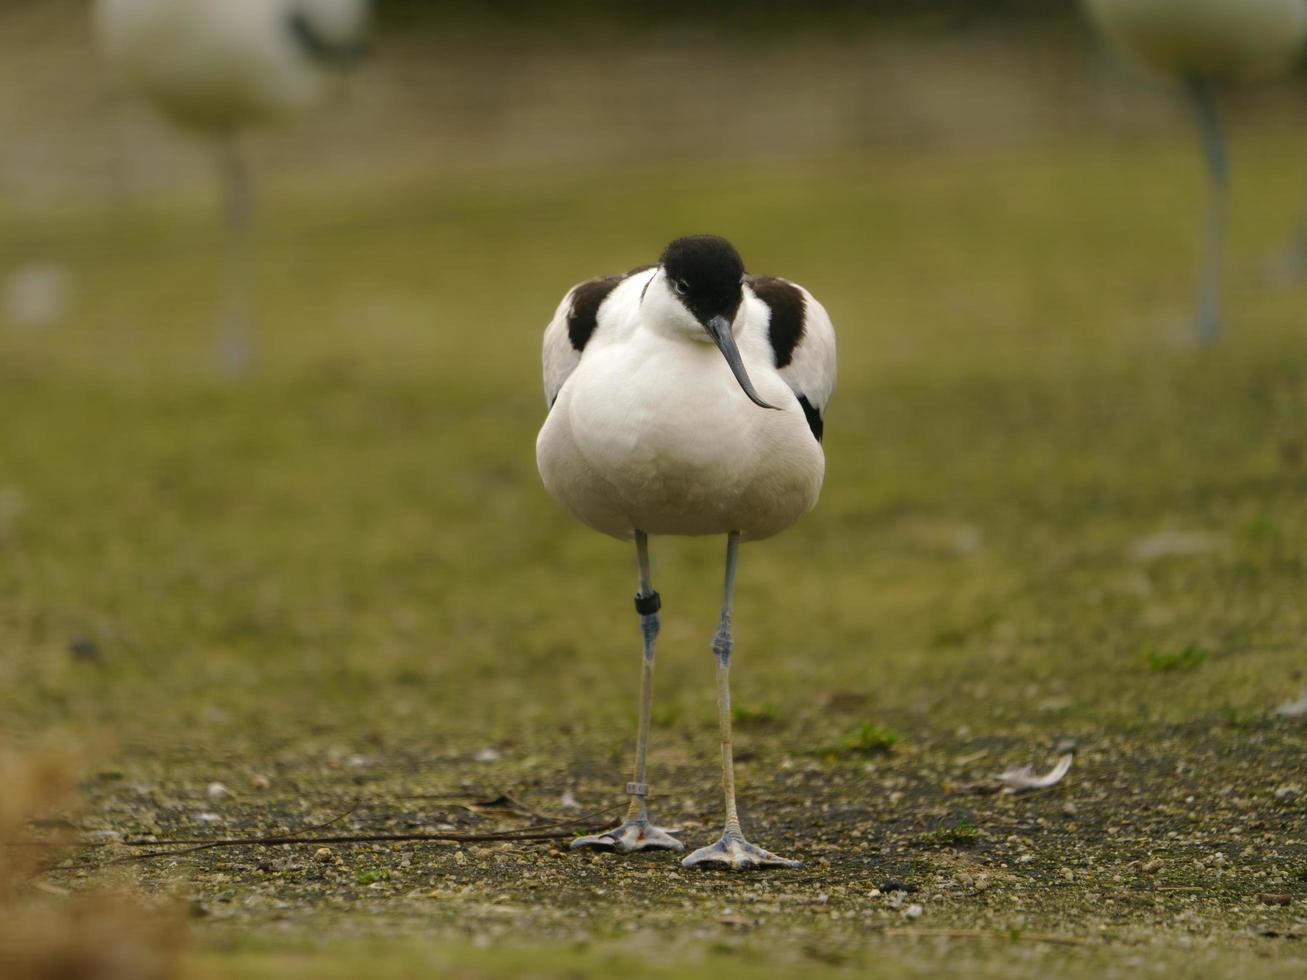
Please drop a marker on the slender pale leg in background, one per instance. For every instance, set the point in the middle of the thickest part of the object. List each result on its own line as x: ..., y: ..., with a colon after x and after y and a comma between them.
x: 1208, y: 321
x: 731, y: 850
x: 636, y: 833
x: 235, y: 341
x: 1291, y: 265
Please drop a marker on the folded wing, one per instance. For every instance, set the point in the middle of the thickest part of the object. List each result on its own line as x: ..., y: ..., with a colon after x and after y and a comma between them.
x: 803, y: 343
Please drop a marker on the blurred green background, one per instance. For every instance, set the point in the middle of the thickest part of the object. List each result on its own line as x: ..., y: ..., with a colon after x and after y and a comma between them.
x: 1046, y: 514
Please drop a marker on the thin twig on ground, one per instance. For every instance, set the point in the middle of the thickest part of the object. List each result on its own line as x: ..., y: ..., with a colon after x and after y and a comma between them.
x: 557, y: 830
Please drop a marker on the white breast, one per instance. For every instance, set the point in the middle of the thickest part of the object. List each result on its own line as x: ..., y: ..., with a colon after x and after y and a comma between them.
x: 653, y: 432
x: 1207, y: 38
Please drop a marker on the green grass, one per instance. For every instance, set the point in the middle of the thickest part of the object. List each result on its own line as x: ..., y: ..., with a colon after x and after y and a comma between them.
x: 989, y: 954
x: 755, y: 715
x: 867, y: 739
x: 963, y: 833
x: 1174, y: 661
x: 333, y: 586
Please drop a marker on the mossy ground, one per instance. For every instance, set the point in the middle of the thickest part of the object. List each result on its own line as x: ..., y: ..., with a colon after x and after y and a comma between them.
x: 338, y: 586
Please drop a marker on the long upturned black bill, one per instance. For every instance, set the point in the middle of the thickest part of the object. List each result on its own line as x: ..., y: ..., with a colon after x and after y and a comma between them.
x: 719, y: 329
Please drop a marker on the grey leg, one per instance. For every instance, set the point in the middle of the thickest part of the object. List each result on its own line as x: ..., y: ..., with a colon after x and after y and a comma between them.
x: 731, y: 850
x: 235, y: 350
x: 1208, y: 321
x: 636, y: 833
x: 1291, y: 266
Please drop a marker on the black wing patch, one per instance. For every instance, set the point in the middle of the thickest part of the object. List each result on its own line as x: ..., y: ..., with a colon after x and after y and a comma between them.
x: 788, y: 311
x: 584, y: 315
x: 586, y: 300
x: 813, y: 415
x: 325, y: 51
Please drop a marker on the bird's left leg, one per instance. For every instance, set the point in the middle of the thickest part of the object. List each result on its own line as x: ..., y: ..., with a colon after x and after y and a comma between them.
x: 637, y: 833
x: 731, y: 850
x: 1208, y: 321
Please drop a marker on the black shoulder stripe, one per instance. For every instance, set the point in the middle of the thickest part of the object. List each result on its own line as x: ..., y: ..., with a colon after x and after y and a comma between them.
x: 315, y: 47
x: 788, y: 311
x: 586, y: 300
x: 584, y: 315
x: 813, y: 415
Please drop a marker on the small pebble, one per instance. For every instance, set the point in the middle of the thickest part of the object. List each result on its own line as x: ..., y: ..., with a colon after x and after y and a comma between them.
x: 487, y: 755
x: 913, y: 911
x: 1287, y: 792
x: 323, y: 854
x: 84, y: 648
x: 894, y: 885
x: 261, y: 782
x: 1152, y: 867
x: 217, y: 791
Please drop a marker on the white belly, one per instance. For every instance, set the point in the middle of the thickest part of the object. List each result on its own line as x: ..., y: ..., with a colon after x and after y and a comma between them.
x: 658, y: 437
x: 1211, y: 38
x: 212, y: 64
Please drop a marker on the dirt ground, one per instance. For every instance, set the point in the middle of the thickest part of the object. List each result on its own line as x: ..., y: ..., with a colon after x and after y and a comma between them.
x: 334, y: 595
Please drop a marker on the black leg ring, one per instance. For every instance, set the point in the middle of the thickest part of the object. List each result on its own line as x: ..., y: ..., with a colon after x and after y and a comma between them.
x: 648, y: 604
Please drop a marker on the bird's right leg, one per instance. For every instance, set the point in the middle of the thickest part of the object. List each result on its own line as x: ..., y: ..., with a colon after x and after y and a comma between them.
x: 236, y: 346
x: 1208, y: 322
x: 636, y: 833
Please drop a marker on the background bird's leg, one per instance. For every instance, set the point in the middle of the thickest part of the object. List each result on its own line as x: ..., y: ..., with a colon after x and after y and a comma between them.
x: 732, y: 850
x: 1208, y: 324
x: 235, y: 340
x: 637, y: 833
x: 1292, y: 264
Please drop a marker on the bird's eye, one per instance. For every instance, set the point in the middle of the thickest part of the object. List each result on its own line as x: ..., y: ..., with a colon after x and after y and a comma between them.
x: 681, y: 286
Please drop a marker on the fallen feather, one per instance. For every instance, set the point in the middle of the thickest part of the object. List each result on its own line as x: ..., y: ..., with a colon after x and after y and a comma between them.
x: 1022, y: 779
x: 1293, y: 709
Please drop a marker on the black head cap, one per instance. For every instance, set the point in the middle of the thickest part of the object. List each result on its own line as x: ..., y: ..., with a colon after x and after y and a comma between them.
x: 706, y: 272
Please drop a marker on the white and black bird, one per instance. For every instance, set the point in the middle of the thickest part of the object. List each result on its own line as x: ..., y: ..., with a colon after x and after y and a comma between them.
x: 686, y: 398
x: 219, y: 67
x: 1203, y: 43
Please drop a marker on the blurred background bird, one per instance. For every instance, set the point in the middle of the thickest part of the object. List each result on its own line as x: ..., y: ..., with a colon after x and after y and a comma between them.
x: 218, y: 68
x: 1203, y: 44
